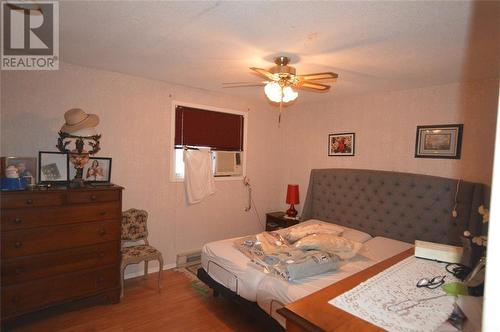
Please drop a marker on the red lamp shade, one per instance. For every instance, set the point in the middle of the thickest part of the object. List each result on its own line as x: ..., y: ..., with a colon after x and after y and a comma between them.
x: 292, y: 194
x: 292, y: 197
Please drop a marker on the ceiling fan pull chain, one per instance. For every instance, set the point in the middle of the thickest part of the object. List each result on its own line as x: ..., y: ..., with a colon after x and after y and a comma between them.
x: 279, y: 116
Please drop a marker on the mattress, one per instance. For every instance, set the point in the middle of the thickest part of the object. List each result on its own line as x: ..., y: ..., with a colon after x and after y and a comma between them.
x: 273, y: 293
x: 232, y: 269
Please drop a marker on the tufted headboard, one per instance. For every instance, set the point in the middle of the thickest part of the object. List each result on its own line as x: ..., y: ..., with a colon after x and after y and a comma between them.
x: 401, y: 206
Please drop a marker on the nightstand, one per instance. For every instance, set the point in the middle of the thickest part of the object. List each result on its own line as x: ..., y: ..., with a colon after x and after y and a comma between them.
x: 277, y: 220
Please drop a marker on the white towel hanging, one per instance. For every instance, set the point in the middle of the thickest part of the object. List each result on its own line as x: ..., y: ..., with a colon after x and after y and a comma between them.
x: 198, y: 175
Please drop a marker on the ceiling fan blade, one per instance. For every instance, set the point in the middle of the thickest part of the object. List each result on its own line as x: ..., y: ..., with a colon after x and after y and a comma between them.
x: 263, y: 72
x: 318, y: 76
x: 241, y: 85
x: 231, y: 83
x: 313, y: 86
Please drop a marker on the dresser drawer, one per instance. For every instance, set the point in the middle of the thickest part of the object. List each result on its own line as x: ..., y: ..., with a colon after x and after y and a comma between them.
x: 22, y: 269
x: 12, y: 219
x: 20, y: 200
x: 28, y: 296
x: 44, y: 239
x: 90, y: 196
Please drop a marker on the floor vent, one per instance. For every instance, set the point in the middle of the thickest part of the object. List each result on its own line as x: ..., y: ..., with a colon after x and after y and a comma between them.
x: 189, y: 258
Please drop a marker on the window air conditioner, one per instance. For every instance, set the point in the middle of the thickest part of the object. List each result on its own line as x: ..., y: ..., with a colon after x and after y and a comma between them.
x: 228, y: 163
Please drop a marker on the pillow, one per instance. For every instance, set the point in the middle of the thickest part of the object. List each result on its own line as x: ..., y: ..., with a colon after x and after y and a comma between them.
x: 309, y: 227
x: 355, y: 235
x: 349, y: 233
x: 332, y: 244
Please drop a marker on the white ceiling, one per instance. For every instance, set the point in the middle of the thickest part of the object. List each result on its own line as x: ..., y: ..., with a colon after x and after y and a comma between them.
x: 373, y: 46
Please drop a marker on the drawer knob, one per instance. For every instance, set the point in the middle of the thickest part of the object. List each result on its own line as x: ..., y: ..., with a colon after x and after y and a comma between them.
x: 18, y: 244
x: 102, y: 213
x: 17, y: 221
x: 29, y: 201
x: 18, y: 270
x: 101, y: 254
x: 102, y: 232
x: 93, y: 197
x: 15, y: 300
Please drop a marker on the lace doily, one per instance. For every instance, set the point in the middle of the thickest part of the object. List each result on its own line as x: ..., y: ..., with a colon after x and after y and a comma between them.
x: 392, y: 301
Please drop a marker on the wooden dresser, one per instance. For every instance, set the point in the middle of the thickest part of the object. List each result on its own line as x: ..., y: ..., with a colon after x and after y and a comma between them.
x: 59, y: 246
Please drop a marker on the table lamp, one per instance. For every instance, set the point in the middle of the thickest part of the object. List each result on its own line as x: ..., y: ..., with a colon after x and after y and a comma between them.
x: 292, y: 197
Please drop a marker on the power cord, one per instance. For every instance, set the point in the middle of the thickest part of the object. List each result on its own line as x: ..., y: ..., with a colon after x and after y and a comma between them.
x: 257, y: 213
x: 459, y: 271
x: 246, y: 182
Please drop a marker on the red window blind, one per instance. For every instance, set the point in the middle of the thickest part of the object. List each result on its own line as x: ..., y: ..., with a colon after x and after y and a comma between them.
x: 217, y: 130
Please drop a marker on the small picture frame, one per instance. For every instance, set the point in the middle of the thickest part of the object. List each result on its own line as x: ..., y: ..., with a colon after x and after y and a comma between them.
x: 341, y: 145
x: 53, y: 167
x: 96, y: 170
x: 439, y: 141
x: 26, y: 168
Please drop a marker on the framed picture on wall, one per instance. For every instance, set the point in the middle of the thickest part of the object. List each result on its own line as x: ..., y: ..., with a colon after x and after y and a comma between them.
x: 439, y: 141
x: 341, y: 144
x: 53, y: 167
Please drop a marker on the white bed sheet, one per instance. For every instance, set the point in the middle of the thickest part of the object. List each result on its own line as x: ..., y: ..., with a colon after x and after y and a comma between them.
x: 273, y: 293
x: 230, y: 268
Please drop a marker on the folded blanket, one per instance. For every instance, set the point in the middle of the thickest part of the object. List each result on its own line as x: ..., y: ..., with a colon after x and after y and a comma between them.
x: 312, y: 263
x: 272, y: 254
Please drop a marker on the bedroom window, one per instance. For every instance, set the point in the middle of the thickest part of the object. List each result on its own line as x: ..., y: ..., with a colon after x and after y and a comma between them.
x: 221, y: 130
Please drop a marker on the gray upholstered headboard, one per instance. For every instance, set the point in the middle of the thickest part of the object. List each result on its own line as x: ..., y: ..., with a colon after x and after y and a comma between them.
x: 401, y: 206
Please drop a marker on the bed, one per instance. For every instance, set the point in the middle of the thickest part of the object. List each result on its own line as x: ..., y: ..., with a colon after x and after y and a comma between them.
x: 394, y: 208
x: 229, y: 267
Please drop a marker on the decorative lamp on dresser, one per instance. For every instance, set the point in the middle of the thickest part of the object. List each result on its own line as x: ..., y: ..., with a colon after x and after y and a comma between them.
x: 59, y: 246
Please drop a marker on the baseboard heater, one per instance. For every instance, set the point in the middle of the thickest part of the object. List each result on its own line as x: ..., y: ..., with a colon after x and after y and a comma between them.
x: 188, y: 258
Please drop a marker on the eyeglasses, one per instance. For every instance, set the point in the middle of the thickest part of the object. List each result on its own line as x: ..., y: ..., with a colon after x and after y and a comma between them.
x: 431, y: 283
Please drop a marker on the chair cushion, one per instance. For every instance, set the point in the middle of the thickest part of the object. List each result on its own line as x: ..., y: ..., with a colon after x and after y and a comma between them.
x: 136, y: 252
x: 134, y: 225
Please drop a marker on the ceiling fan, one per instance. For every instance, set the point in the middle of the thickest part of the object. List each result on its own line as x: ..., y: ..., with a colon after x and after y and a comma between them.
x: 282, y: 80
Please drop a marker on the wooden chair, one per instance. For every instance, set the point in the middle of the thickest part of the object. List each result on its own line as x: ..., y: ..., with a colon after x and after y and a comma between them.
x: 134, y: 228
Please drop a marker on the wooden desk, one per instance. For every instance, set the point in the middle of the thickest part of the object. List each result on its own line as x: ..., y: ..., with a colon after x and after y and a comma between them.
x: 314, y: 313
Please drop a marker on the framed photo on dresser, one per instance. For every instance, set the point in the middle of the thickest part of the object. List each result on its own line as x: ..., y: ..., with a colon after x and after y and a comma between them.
x: 96, y: 170
x: 25, y: 167
x: 53, y: 167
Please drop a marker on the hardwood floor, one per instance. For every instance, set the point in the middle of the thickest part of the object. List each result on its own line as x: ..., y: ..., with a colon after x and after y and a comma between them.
x: 179, y: 307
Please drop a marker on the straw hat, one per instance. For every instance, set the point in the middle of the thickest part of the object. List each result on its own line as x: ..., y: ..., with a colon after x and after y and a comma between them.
x: 77, y: 119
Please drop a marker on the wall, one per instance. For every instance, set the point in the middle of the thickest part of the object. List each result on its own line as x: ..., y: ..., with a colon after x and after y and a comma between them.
x: 136, y: 124
x: 385, y: 127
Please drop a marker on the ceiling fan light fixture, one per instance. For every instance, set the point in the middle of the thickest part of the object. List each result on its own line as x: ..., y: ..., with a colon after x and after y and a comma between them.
x: 289, y: 94
x: 273, y: 91
x: 277, y: 94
